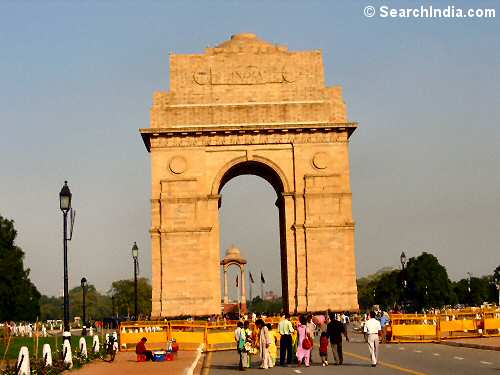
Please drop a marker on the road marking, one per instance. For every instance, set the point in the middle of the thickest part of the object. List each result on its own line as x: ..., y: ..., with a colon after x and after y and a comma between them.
x: 486, y: 363
x: 436, y: 354
x: 401, y: 348
x: 458, y: 358
x: 206, y: 364
x: 389, y: 365
x: 191, y: 368
x: 417, y: 351
x: 297, y: 371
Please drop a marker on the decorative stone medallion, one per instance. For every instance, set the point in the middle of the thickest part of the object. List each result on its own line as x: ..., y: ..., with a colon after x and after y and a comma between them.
x: 321, y: 160
x: 178, y: 164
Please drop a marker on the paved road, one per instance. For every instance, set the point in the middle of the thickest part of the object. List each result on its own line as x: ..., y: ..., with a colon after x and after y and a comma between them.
x: 394, y: 359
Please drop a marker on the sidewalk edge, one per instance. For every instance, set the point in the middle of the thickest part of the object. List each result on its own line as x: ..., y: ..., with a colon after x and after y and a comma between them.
x: 470, y: 345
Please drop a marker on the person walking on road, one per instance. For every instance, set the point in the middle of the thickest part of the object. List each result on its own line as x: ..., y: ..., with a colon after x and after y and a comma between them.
x: 285, y: 329
x: 335, y: 329
x: 304, y: 342
x: 239, y: 337
x: 373, y: 330
x: 264, y: 344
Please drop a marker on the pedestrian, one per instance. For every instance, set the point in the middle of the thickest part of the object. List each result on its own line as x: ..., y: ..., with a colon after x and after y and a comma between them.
x: 264, y: 343
x: 384, y: 322
x: 304, y: 342
x: 323, y: 348
x: 247, y: 355
x: 372, y: 330
x: 239, y: 337
x: 335, y: 329
x: 311, y: 327
x: 285, y: 330
x: 272, y: 347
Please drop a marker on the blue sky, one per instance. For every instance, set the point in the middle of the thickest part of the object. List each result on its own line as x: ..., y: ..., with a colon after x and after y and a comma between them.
x: 76, y: 82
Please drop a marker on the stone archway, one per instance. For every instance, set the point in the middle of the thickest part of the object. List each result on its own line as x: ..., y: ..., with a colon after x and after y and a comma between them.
x: 248, y: 106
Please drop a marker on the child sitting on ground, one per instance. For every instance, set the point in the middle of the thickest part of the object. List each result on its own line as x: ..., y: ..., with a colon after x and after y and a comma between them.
x: 323, y: 348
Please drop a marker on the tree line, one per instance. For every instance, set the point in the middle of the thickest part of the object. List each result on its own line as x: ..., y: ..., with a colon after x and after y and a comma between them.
x: 424, y: 284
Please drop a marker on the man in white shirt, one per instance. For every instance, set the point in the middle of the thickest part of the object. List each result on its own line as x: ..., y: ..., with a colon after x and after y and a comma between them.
x: 285, y: 329
x: 372, y: 329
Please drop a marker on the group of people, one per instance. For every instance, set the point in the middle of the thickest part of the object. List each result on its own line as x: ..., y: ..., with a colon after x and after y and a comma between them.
x: 295, y: 340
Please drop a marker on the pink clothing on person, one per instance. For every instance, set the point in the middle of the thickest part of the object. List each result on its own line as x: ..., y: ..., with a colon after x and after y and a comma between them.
x: 301, y: 352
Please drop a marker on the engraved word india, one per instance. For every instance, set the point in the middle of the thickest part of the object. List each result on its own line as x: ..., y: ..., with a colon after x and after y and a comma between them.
x: 250, y: 107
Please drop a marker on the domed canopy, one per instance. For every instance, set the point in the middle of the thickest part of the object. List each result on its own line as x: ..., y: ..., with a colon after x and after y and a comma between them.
x: 248, y: 42
x: 233, y: 255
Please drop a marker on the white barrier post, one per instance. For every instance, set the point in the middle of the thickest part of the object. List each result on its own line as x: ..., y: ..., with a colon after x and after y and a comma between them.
x: 83, y: 347
x: 67, y: 355
x: 95, y: 344
x: 47, y: 355
x: 23, y: 362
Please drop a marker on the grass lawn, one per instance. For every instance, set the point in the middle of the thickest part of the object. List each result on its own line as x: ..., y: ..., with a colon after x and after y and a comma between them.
x: 54, y: 341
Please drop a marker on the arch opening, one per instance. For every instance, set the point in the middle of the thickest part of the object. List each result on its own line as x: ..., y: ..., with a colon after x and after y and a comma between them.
x: 267, y: 173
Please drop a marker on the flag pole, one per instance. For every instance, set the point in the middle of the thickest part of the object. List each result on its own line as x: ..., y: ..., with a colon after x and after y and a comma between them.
x: 250, y: 290
x: 261, y: 286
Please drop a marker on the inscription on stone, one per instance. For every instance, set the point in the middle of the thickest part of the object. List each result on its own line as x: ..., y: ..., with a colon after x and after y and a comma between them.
x: 244, y: 75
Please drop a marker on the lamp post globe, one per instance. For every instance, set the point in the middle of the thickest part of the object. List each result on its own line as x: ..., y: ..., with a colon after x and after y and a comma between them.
x: 65, y: 205
x: 83, y: 284
x: 135, y: 251
x: 135, y: 255
x: 65, y: 198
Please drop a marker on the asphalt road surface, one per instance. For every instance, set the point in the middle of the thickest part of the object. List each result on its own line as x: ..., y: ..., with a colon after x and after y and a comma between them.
x: 394, y: 359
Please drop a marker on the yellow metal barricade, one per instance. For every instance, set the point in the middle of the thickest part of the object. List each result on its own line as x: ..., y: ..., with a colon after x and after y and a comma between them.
x: 220, y: 337
x: 413, y: 328
x: 189, y: 336
x: 132, y: 332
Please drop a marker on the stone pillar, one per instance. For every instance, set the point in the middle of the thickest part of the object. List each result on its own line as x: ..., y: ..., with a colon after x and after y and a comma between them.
x: 226, y: 298
x: 243, y: 287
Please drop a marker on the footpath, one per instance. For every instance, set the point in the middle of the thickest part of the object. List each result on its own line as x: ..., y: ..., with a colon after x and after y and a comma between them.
x: 487, y: 343
x: 125, y: 363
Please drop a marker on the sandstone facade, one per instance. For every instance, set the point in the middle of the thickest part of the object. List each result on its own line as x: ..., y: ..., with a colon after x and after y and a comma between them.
x: 248, y: 106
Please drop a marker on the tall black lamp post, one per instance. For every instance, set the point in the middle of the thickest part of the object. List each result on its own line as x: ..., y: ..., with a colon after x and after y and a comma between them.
x: 469, y: 277
x: 402, y: 259
x: 83, y: 283
x: 135, y: 254
x: 65, y: 205
x: 497, y: 284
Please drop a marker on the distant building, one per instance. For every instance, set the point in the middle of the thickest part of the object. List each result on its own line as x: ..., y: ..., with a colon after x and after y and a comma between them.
x: 270, y: 296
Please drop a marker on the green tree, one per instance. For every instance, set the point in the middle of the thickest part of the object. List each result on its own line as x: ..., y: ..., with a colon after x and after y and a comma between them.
x: 481, y: 289
x: 97, y: 305
x: 428, y: 282
x: 19, y: 298
x: 258, y: 305
x: 367, y: 289
x: 123, y: 292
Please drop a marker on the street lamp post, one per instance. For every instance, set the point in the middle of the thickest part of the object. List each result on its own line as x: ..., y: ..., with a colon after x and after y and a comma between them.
x: 497, y: 284
x: 83, y: 283
x: 402, y: 259
x: 65, y: 205
x: 469, y: 276
x: 135, y: 254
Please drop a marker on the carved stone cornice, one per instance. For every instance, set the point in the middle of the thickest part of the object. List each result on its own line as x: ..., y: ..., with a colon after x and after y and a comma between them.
x: 242, y: 134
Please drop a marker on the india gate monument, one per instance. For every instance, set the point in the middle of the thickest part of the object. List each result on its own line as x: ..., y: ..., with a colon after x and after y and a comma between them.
x: 248, y: 106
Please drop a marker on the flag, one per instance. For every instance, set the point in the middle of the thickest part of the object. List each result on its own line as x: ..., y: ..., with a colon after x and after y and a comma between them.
x: 236, y: 281
x: 263, y: 281
x: 251, y: 278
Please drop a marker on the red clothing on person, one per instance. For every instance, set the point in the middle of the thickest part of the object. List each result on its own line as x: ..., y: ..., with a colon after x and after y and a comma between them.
x: 323, y: 344
x: 140, y: 348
